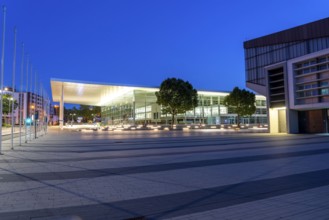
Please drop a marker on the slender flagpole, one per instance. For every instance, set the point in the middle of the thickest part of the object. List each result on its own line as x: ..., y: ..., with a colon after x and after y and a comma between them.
x: 41, y: 112
x: 35, y: 105
x: 21, y: 94
x: 13, y: 90
x: 27, y: 90
x: 2, y: 71
x: 48, y: 111
x: 31, y: 97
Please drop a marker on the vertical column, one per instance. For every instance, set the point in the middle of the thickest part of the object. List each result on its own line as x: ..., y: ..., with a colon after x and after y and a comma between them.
x: 61, y: 108
x: 202, y: 100
x: 212, y: 120
x: 134, y: 114
x: 145, y: 111
x: 134, y: 109
x: 120, y: 114
x: 219, y: 110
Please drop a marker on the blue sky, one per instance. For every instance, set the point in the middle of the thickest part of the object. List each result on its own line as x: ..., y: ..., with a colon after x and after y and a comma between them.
x: 142, y: 42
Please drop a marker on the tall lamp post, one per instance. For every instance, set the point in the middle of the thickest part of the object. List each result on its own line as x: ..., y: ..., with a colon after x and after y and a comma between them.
x: 11, y: 111
x: 13, y: 90
x: 32, y: 120
x: 2, y: 71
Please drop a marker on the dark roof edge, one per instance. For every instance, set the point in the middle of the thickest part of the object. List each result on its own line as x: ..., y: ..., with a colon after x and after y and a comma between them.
x: 315, y: 29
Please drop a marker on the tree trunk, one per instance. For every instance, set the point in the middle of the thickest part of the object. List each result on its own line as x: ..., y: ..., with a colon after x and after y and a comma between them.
x: 172, y: 120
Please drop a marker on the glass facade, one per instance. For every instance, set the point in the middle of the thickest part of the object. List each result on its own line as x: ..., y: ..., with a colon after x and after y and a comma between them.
x: 257, y: 58
x: 139, y: 107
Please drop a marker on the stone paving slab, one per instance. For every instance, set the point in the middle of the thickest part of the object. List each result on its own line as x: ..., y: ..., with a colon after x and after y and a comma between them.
x: 158, y: 175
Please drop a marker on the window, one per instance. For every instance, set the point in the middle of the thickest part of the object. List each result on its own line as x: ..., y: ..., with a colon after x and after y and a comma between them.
x: 324, y: 91
x: 214, y: 100
x: 221, y: 101
x: 263, y: 111
x: 322, y: 59
x: 299, y: 72
x: 298, y: 66
x: 307, y: 86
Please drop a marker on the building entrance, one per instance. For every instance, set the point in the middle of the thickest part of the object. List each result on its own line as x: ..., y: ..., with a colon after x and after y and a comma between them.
x: 282, y: 121
x: 314, y: 121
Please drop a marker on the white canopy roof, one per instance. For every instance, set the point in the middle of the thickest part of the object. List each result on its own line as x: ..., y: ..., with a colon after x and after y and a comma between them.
x: 99, y: 94
x: 89, y: 93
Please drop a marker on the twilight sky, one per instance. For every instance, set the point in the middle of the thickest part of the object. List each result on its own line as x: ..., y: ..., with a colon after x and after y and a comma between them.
x: 142, y: 42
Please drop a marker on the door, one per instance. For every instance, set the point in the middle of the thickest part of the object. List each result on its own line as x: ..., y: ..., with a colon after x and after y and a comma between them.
x: 282, y: 121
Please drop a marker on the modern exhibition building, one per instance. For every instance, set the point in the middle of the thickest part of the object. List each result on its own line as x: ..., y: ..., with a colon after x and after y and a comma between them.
x: 132, y: 105
x: 291, y: 68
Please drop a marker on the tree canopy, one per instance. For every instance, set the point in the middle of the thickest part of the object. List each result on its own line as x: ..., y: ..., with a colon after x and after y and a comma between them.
x: 242, y: 102
x: 7, y: 103
x: 87, y: 112
x: 176, y: 96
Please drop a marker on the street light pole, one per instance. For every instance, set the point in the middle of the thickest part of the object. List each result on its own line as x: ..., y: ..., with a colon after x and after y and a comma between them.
x: 32, y: 107
x: 36, y: 104
x: 27, y: 91
x: 2, y: 71
x: 21, y: 98
x: 31, y: 97
x: 13, y: 90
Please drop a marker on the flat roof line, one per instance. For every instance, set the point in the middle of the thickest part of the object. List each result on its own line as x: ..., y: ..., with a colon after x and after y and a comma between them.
x: 118, y: 84
x: 98, y: 83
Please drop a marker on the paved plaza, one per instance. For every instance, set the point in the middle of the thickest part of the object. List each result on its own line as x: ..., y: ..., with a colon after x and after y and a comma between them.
x: 199, y: 174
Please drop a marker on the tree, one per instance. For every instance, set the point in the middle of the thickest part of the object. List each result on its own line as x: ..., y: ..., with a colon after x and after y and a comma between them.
x: 7, y: 103
x: 242, y: 102
x: 85, y: 111
x: 176, y: 96
x: 89, y: 112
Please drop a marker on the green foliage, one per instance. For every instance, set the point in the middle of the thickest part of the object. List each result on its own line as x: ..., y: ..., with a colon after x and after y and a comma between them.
x: 7, y: 103
x: 85, y: 111
x: 6, y: 125
x: 176, y: 96
x: 242, y: 102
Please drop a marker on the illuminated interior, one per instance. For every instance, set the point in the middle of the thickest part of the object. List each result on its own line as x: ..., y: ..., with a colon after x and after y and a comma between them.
x: 124, y: 104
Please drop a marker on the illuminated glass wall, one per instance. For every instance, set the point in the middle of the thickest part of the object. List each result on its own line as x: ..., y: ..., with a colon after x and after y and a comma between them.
x: 139, y: 107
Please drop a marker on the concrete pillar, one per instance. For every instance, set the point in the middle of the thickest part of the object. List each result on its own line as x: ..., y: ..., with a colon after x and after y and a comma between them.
x: 120, y: 116
x: 212, y: 120
x: 61, y: 108
x: 145, y: 111
x: 202, y: 115
x: 134, y: 114
x: 219, y: 110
